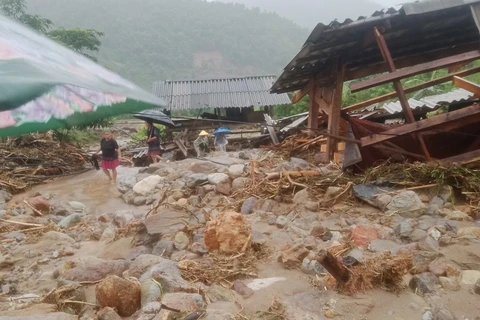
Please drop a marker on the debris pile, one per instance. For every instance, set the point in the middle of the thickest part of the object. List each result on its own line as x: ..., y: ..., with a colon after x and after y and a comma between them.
x: 30, y: 160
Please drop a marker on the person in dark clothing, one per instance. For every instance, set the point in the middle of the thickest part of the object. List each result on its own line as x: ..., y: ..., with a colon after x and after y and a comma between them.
x: 111, y: 155
x: 153, y: 141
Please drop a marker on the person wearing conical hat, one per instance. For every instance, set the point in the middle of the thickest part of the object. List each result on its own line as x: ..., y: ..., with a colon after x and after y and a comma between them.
x: 201, y: 144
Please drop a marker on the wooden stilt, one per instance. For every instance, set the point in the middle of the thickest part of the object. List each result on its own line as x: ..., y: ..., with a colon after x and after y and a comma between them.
x: 333, y: 266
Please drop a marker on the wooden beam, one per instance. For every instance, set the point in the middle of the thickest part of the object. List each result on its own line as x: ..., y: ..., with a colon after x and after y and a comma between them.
x: 463, y: 158
x: 313, y: 109
x: 458, y: 66
x: 414, y: 70
x: 421, y: 86
x: 303, y: 92
x: 402, y: 97
x: 335, y: 111
x: 467, y: 85
x: 427, y: 124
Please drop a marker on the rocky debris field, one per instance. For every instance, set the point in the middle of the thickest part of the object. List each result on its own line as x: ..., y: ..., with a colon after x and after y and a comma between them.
x: 239, y: 236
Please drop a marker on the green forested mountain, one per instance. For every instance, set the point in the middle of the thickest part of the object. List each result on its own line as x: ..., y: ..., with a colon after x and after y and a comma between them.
x: 149, y: 40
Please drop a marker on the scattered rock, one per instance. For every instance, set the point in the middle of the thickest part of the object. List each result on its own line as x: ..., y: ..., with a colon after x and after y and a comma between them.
x: 126, y: 183
x: 77, y: 206
x: 281, y: 222
x: 92, y: 269
x: 40, y: 203
x: 443, y: 314
x: 293, y: 256
x: 218, y: 293
x: 151, y: 292
x: 306, y: 306
x: 218, y: 178
x: 168, y: 275
x: 423, y: 283
x: 242, y: 289
x: 318, y: 232
x: 435, y: 205
x: 186, y: 302
x: 312, y: 267
x: 164, y: 248
x: 181, y: 241
x: 236, y: 171
x: 139, y: 201
x: 205, y: 167
x: 380, y: 245
x: 301, y: 197
x: 240, y: 184
x: 19, y: 236
x: 429, y: 244
x: 108, y: 234
x: 48, y: 316
x: 450, y: 284
x: 469, y: 277
x: 476, y: 287
x: 198, y: 248
x: 455, y: 215
x: 142, y: 264
x: 438, y: 268
x: 227, y: 233
x: 59, y: 210
x: 248, y: 205
x: 418, y: 235
x: 5, y: 196
x: 108, y: 313
x: 123, y: 295
x: 469, y: 231
x: 147, y: 185
x: 70, y: 221
x: 405, y: 228
x: 196, y: 179
x: 134, y: 253
x: 331, y: 194
x: 407, y: 204
x: 123, y: 217
x: 363, y: 235
x: 57, y: 236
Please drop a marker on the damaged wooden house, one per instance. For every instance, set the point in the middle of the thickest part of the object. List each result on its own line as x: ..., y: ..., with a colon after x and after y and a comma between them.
x: 388, y: 47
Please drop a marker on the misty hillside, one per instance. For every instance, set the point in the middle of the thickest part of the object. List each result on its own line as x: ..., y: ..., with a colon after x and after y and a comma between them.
x: 310, y: 12
x: 152, y: 40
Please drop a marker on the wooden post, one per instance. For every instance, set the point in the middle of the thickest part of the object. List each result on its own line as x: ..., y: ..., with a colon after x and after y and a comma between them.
x: 333, y: 266
x: 313, y: 110
x: 407, y: 111
x: 335, y: 110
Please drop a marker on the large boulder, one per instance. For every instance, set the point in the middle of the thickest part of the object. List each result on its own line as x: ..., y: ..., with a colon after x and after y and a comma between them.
x: 126, y: 182
x: 221, y: 181
x: 40, y: 203
x: 236, y: 171
x: 228, y: 232
x: 121, y: 294
x: 147, y: 186
x: 196, y: 179
x: 407, y: 204
x: 142, y: 263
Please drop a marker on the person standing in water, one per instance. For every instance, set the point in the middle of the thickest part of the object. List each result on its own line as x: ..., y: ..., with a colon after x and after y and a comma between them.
x: 111, y: 155
x: 153, y: 141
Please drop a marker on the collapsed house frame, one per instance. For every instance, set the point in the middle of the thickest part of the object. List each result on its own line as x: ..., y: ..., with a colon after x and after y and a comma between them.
x: 385, y: 48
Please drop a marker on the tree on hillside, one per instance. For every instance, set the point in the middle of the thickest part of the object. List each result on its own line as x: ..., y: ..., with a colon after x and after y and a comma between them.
x: 79, y: 40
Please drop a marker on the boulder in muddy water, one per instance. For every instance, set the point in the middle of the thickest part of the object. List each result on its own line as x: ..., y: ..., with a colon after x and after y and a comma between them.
x: 229, y: 232
x: 40, y: 203
x: 108, y: 313
x: 121, y: 294
x: 70, y: 221
x: 423, y: 283
x: 126, y: 183
x: 147, y: 186
x: 407, y: 204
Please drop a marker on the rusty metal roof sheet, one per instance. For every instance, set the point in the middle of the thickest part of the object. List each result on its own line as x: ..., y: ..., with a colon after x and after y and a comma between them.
x: 415, y: 33
x: 219, y: 93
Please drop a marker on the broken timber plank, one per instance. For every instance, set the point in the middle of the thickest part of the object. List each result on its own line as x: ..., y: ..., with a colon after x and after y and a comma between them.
x: 463, y: 158
x: 414, y: 70
x: 333, y: 266
x: 271, y: 129
x: 466, y: 85
x: 424, y: 85
x: 303, y: 92
x: 430, y: 123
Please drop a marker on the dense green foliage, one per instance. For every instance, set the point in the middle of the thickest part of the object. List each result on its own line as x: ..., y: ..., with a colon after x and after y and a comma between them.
x: 152, y: 40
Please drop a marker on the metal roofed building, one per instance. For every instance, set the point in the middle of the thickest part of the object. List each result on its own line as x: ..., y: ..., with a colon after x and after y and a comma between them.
x: 416, y: 33
x: 241, y: 92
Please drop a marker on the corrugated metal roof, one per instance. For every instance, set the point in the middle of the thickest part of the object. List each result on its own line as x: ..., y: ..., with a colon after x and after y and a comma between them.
x: 430, y: 102
x: 219, y: 93
x: 415, y: 33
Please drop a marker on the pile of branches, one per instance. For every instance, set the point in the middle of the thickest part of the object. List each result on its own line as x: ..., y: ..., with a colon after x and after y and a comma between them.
x: 223, y: 269
x: 303, y: 146
x: 31, y: 159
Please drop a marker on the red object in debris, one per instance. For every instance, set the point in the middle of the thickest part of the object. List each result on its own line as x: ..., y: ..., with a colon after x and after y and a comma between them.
x: 363, y: 235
